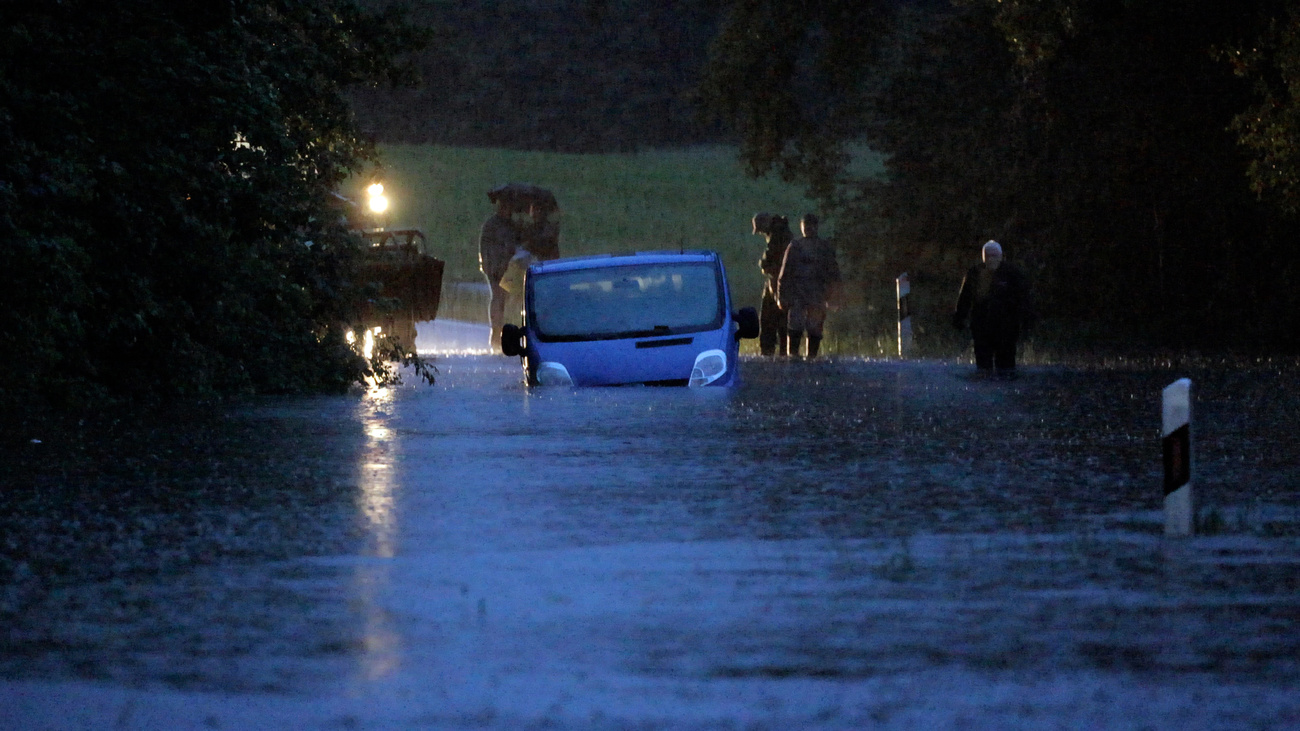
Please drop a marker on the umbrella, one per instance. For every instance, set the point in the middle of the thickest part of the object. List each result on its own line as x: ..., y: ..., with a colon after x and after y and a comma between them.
x: 521, y: 195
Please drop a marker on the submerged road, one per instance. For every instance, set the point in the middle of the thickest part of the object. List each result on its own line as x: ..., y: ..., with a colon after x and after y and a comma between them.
x: 844, y: 544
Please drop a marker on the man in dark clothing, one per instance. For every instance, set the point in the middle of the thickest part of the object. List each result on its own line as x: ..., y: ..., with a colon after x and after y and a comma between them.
x: 806, y: 285
x: 541, y: 237
x: 995, y: 296
x: 497, y: 244
x: 771, y: 318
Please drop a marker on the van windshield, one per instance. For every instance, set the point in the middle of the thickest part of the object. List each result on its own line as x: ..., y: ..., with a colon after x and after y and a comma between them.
x: 627, y: 301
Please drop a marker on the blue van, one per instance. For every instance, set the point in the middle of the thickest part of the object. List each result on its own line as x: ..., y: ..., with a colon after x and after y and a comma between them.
x: 655, y: 318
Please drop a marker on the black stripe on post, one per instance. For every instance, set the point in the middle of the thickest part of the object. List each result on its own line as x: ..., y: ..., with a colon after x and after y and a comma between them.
x: 1177, y: 447
x: 904, y: 311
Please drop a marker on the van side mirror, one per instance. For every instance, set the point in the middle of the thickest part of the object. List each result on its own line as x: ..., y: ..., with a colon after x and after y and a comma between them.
x: 512, y: 340
x: 747, y: 320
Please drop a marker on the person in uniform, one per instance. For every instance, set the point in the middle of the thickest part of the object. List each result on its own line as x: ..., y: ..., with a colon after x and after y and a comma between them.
x: 771, y: 318
x: 806, y: 286
x: 497, y: 244
x: 994, y: 296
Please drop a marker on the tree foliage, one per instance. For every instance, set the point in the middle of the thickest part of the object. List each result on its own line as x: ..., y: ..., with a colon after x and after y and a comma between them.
x: 1271, y: 126
x: 165, y: 178
x: 786, y: 76
x: 563, y: 75
x: 1090, y: 136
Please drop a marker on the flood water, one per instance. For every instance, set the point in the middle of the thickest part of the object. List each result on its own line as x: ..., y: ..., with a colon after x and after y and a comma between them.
x: 841, y: 544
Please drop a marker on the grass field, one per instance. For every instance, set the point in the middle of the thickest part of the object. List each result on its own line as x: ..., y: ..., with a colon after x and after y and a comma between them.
x: 695, y: 198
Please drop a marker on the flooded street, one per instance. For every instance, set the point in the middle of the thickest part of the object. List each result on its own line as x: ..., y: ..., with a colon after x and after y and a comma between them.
x: 843, y: 544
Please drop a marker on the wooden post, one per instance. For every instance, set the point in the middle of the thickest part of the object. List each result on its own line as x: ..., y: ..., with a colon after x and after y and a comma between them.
x: 904, y: 316
x: 1177, y: 447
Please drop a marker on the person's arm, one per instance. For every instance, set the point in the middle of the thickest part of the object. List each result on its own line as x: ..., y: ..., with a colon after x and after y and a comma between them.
x: 964, y: 298
x: 781, y: 277
x: 485, y: 248
x: 774, y: 256
x: 496, y: 244
x: 771, y: 260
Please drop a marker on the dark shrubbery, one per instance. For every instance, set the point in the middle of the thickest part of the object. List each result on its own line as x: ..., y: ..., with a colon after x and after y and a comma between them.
x: 165, y: 178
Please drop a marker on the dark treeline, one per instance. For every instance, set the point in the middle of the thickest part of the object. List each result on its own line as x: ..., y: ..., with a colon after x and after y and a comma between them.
x: 562, y: 75
x: 1138, y: 157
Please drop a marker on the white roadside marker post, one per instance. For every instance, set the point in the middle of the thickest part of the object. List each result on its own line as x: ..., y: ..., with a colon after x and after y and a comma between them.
x: 904, y: 316
x: 1177, y: 447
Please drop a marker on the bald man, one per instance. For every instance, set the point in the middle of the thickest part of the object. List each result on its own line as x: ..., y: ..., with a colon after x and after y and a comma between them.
x: 995, y: 297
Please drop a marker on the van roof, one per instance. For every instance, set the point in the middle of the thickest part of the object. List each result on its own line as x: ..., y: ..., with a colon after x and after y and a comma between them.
x: 613, y: 260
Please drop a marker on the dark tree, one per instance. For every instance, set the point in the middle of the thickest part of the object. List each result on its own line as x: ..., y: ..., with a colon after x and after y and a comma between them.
x: 165, y: 177
x: 789, y: 76
x: 1271, y: 126
x: 1092, y: 136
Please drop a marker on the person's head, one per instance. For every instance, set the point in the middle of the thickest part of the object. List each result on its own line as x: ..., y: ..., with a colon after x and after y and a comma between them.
x: 762, y: 223
x: 538, y: 212
x: 992, y: 253
x: 502, y: 203
x: 808, y: 225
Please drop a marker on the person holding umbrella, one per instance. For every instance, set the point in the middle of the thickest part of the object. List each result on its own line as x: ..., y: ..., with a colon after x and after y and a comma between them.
x: 498, y: 242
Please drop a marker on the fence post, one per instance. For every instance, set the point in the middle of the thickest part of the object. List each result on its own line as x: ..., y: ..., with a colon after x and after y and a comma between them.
x: 1177, y: 447
x: 904, y: 316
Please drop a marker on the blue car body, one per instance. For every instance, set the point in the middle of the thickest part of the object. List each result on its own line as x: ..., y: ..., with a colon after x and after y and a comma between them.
x: 653, y: 318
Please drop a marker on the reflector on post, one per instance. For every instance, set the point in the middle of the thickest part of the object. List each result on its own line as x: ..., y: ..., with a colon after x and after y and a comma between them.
x: 1176, y: 444
x: 904, y: 316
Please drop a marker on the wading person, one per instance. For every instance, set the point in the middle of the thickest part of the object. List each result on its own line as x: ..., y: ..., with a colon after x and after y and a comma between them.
x: 995, y: 297
x: 771, y: 318
x: 807, y: 285
x: 541, y: 237
x: 497, y: 244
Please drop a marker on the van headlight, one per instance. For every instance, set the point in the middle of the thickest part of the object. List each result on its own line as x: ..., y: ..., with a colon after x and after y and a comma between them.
x: 550, y: 373
x: 709, y: 367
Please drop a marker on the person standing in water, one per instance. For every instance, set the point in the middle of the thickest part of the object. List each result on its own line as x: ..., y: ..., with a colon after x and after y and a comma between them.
x: 994, y: 296
x: 806, y: 285
x: 771, y: 318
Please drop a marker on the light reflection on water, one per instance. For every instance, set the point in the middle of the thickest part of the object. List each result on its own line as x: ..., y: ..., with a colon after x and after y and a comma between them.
x: 375, y: 498
x: 377, y: 508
